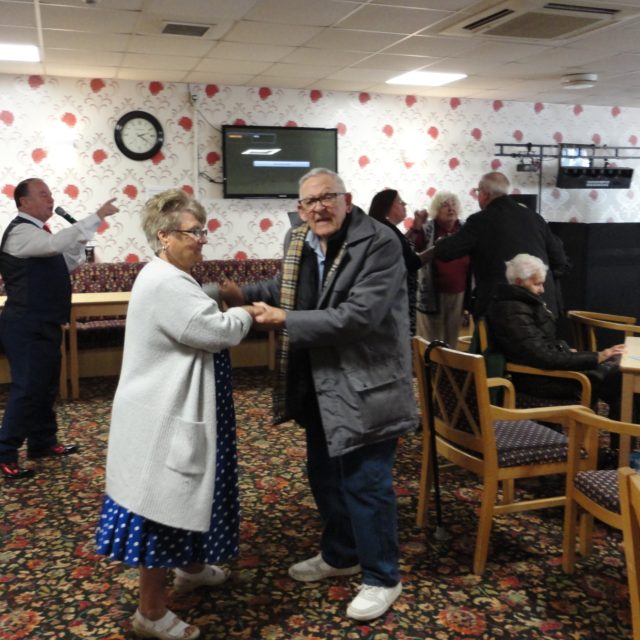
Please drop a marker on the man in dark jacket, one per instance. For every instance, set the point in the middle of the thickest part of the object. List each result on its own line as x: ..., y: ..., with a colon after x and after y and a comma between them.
x: 501, y: 230
x: 344, y: 374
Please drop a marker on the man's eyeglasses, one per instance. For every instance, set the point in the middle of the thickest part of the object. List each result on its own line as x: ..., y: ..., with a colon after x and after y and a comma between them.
x: 196, y: 233
x: 326, y: 200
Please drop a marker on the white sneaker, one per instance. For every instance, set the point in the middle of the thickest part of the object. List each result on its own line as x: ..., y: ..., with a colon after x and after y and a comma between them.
x: 372, y: 601
x: 314, y: 569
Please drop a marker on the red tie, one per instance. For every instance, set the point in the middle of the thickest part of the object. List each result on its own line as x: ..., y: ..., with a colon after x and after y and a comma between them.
x: 46, y: 228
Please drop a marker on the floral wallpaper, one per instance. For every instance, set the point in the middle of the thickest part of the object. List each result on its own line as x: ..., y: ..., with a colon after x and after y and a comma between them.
x: 61, y: 129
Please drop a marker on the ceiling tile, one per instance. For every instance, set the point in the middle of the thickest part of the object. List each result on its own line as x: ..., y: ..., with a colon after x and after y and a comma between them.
x: 14, y: 14
x: 164, y: 75
x: 89, y: 19
x: 167, y: 45
x: 265, y: 33
x: 301, y: 71
x: 243, y: 67
x: 19, y: 35
x: 307, y: 55
x: 171, y: 63
x: 359, y: 75
x: 350, y: 40
x: 62, y: 39
x: 400, y: 20
x: 81, y: 71
x: 240, y: 51
x: 394, y: 63
x: 90, y: 58
x: 276, y: 81
x: 435, y: 46
x: 444, y: 5
x: 306, y: 12
x: 212, y: 77
x: 200, y: 10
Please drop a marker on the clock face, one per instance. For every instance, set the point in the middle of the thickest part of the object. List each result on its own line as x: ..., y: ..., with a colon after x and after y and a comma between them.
x: 139, y: 135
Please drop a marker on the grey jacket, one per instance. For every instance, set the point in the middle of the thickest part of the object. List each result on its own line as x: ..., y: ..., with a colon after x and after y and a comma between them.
x: 358, y: 340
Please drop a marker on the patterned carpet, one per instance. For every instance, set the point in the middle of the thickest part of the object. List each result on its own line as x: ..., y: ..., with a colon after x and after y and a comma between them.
x: 52, y: 585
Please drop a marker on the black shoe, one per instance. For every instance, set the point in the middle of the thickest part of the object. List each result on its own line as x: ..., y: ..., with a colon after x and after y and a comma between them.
x: 54, y: 451
x: 13, y: 471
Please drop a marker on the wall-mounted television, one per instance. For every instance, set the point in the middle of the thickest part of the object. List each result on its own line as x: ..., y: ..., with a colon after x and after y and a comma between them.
x: 267, y: 162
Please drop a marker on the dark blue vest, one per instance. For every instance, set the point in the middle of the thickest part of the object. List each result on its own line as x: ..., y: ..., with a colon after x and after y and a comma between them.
x: 37, y: 288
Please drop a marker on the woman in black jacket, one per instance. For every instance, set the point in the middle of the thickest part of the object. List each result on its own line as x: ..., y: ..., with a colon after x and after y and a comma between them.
x: 524, y: 330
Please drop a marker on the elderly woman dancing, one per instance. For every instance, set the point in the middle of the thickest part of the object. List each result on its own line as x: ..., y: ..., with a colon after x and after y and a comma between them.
x: 171, y: 479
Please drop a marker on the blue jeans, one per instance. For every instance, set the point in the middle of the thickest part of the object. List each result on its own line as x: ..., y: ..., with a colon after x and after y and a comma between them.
x: 355, y: 497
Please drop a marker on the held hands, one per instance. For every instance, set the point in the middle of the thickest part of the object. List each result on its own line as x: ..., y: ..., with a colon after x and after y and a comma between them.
x: 611, y: 352
x: 268, y: 318
x: 107, y: 209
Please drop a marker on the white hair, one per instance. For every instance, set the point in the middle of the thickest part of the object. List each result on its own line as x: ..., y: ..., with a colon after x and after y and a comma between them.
x: 440, y: 198
x: 524, y: 266
x: 321, y: 171
x: 495, y: 184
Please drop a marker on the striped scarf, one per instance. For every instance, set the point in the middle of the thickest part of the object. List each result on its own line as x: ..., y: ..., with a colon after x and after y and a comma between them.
x: 288, y: 291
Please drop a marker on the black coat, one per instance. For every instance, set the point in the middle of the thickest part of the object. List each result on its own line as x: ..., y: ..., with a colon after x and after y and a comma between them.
x: 502, y: 230
x: 524, y: 330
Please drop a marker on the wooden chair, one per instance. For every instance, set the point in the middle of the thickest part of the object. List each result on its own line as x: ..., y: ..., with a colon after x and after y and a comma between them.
x: 629, y: 482
x: 584, y: 325
x: 524, y: 400
x: 498, y: 444
x: 590, y: 492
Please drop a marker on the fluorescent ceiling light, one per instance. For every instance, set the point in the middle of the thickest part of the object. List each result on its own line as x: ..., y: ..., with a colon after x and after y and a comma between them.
x: 19, y: 52
x: 426, y: 78
x: 261, y: 152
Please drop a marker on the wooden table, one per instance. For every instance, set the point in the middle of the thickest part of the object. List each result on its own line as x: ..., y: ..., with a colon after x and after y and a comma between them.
x: 87, y: 305
x: 630, y: 368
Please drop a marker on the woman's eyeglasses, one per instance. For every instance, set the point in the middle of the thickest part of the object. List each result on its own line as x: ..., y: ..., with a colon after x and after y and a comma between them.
x: 196, y: 233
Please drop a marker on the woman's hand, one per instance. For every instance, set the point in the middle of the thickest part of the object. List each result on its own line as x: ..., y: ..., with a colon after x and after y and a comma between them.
x: 606, y: 354
x: 419, y: 218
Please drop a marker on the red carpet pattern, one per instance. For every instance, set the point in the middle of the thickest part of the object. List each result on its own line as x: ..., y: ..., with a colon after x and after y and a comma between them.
x: 52, y: 585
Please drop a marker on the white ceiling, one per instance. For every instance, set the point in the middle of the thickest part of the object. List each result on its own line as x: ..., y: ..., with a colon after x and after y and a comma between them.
x: 343, y: 45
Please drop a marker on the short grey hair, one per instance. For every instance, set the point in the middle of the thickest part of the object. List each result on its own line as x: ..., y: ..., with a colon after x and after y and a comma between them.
x: 163, y: 211
x: 321, y: 171
x: 524, y: 266
x: 495, y: 184
x: 440, y: 198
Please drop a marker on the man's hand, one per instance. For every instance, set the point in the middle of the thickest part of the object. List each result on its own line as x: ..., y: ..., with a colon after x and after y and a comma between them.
x: 231, y: 293
x: 107, y: 209
x: 269, y: 318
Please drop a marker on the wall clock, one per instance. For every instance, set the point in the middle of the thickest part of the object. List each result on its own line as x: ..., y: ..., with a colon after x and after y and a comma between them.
x: 139, y: 135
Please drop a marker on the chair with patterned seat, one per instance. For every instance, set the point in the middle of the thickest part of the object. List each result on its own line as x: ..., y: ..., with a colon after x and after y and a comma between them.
x: 499, y: 444
x: 591, y: 493
x: 586, y: 325
x: 629, y: 482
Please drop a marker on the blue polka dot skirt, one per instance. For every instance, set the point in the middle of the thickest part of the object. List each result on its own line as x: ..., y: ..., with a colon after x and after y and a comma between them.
x: 137, y: 541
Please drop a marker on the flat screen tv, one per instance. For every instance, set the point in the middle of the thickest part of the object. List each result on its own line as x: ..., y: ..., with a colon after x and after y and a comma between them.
x: 267, y: 162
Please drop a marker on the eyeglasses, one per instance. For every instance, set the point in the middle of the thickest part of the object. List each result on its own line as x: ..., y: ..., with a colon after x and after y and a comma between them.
x: 195, y: 233
x: 476, y: 190
x: 326, y: 200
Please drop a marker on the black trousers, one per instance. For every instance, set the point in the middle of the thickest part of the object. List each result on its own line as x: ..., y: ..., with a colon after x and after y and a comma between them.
x: 33, y: 351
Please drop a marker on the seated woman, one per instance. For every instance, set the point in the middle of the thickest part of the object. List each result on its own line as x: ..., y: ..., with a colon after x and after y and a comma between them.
x: 524, y: 330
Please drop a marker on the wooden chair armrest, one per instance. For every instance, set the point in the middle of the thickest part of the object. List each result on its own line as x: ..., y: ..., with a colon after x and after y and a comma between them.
x: 627, y: 329
x: 585, y: 383
x: 596, y: 315
x: 552, y: 414
x: 509, y: 391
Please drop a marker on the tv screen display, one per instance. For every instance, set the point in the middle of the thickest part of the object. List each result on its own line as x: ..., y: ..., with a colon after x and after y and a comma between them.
x: 267, y: 162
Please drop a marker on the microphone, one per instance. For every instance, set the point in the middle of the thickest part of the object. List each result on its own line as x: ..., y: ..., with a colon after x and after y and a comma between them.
x: 61, y: 212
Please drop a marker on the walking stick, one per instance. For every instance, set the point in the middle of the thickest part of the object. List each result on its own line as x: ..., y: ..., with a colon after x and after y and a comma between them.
x: 441, y: 533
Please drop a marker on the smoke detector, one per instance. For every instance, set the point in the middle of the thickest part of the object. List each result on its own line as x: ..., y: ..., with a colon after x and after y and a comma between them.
x: 579, y: 80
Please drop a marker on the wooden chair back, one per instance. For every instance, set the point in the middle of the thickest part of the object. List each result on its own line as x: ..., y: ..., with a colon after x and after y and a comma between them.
x: 630, y: 504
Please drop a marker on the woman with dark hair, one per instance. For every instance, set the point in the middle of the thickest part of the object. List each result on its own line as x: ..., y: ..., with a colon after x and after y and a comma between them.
x: 388, y: 207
